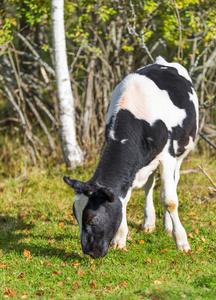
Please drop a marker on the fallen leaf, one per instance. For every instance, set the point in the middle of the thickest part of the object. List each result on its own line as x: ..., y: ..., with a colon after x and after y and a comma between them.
x: 190, y: 235
x: 75, y: 265
x: 203, y: 239
x: 61, y: 224
x: 77, y: 286
x: 56, y: 273
x: 157, y: 282
x: 27, y: 253
x: 24, y: 295
x: 212, y: 222
x: 123, y: 283
x: 92, y: 284
x: 38, y: 295
x: 46, y: 264
x: 9, y: 293
x: 21, y: 276
x: 129, y: 238
x: 191, y: 213
x: 80, y: 272
x: 148, y: 260
x: 164, y: 250
x: 196, y: 231
x: 3, y: 265
x: 100, y: 264
x: 141, y: 242
x: 60, y: 283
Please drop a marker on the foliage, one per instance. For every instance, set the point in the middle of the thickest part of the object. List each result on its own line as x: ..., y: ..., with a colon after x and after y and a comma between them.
x: 105, y: 41
x: 40, y: 251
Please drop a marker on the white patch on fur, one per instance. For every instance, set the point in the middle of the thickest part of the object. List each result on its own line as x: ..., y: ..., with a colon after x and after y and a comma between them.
x: 181, y: 70
x: 124, y: 141
x: 164, y: 68
x: 116, y: 97
x: 112, y: 134
x: 175, y: 147
x: 149, y: 211
x: 189, y: 147
x: 81, y: 201
x: 143, y: 174
x: 193, y: 97
x: 142, y: 97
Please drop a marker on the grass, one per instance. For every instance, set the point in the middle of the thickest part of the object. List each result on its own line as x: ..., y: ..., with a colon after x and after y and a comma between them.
x: 40, y: 250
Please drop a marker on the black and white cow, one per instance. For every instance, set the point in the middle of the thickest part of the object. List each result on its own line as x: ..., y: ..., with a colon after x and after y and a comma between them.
x: 152, y: 121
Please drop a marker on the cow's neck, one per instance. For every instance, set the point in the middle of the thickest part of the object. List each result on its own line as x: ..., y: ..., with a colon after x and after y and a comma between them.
x: 118, y: 167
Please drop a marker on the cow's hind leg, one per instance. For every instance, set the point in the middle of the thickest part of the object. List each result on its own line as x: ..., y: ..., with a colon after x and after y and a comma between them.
x: 149, y: 211
x: 167, y: 222
x: 168, y: 168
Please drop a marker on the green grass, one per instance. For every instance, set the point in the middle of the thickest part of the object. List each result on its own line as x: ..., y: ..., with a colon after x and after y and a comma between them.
x: 40, y: 250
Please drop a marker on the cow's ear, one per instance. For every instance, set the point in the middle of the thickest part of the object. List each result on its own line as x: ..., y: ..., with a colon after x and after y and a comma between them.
x: 78, y: 186
x: 105, y: 194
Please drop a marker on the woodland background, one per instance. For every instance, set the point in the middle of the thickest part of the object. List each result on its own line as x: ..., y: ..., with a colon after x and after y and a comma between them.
x: 105, y: 41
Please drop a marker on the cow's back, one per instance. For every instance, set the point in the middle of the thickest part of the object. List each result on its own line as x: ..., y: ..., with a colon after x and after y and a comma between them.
x: 159, y: 92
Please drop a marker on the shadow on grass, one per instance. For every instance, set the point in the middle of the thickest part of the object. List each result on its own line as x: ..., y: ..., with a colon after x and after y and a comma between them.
x: 14, y: 232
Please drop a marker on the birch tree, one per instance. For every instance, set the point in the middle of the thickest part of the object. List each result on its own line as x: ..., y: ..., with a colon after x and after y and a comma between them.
x: 70, y: 148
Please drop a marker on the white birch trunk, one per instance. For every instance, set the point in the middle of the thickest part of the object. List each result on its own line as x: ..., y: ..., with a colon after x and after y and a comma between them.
x: 70, y: 148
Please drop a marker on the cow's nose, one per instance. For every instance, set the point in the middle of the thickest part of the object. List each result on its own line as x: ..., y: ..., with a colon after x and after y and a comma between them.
x: 94, y: 254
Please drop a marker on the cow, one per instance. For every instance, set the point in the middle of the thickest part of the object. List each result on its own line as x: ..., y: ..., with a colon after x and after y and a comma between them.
x: 152, y: 121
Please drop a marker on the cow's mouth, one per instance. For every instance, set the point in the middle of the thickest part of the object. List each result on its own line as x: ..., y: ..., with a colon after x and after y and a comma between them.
x: 96, y: 253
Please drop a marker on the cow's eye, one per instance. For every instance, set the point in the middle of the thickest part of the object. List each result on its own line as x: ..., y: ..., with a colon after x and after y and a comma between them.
x: 94, y: 220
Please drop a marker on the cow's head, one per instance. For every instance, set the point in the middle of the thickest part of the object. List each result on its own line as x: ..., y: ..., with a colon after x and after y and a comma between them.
x: 99, y: 213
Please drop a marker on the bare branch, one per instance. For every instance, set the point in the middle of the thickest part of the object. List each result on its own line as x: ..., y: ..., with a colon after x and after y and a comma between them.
x: 42, y: 124
x: 47, y: 112
x: 36, y: 55
x: 207, y: 140
x: 207, y: 175
x: 208, y: 63
x: 132, y: 31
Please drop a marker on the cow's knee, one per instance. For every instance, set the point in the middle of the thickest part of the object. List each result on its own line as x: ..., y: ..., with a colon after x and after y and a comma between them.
x: 170, y: 206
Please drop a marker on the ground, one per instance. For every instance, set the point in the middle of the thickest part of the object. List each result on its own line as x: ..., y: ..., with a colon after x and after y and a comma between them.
x: 40, y: 250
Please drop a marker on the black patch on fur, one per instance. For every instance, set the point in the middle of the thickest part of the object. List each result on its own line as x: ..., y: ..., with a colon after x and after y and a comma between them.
x: 120, y: 162
x: 178, y: 89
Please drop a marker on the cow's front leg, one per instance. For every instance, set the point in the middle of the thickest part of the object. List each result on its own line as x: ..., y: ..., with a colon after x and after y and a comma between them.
x: 119, y: 240
x: 149, y: 211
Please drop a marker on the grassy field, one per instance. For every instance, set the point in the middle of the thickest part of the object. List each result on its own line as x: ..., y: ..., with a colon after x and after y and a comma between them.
x: 40, y: 250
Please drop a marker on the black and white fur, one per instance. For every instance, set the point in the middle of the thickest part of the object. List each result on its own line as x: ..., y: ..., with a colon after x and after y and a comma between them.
x: 152, y: 121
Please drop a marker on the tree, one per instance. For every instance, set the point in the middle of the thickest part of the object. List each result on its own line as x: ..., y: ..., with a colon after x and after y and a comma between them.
x: 70, y: 148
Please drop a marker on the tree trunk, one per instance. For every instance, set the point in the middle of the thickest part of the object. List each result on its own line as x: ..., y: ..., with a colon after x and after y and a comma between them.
x: 70, y: 148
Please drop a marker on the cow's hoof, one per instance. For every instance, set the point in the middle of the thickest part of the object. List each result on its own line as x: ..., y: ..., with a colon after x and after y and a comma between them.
x: 183, y: 247
x: 168, y: 231
x: 119, y: 246
x: 148, y: 228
